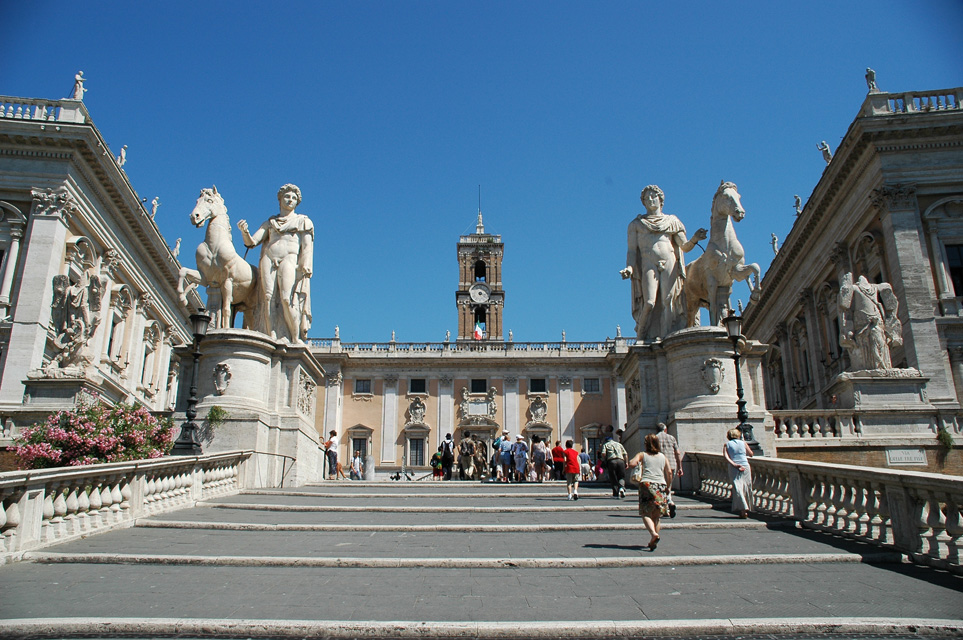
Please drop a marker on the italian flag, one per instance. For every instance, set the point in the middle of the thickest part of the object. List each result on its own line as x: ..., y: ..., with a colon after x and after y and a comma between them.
x: 478, y: 331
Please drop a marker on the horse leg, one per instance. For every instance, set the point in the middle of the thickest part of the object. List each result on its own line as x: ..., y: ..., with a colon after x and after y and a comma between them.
x: 187, y: 281
x: 227, y: 297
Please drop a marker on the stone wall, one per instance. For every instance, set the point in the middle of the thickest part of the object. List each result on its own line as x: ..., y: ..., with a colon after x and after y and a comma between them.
x: 862, y: 456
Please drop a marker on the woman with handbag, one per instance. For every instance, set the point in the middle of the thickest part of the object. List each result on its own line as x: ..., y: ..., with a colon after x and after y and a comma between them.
x: 653, y: 474
x: 737, y: 454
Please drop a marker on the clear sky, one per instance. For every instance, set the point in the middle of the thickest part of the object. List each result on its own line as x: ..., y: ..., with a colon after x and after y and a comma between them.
x: 388, y: 115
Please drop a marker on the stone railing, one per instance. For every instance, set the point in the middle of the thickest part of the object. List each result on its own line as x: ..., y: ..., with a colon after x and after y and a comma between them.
x: 329, y: 345
x: 815, y: 424
x: 49, y: 506
x: 913, y: 512
x: 879, y: 104
x: 71, y: 111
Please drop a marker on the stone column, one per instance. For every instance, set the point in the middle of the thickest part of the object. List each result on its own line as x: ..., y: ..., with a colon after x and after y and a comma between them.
x: 446, y: 406
x: 620, y: 414
x: 47, y: 234
x: 912, y: 281
x: 814, y: 346
x: 566, y: 408
x: 512, y: 409
x: 10, y: 268
x: 389, y: 420
x: 332, y: 402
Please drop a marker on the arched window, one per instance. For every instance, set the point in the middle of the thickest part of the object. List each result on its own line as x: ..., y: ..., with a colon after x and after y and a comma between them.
x: 481, y: 271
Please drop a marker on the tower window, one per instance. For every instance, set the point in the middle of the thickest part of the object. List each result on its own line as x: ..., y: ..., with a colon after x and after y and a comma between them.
x: 481, y: 271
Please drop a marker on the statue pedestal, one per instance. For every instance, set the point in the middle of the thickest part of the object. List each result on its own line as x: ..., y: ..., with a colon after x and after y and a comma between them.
x: 888, y: 401
x: 688, y: 381
x: 269, y: 391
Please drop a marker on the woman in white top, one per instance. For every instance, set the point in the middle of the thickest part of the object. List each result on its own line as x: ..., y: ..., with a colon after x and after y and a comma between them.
x: 653, y: 488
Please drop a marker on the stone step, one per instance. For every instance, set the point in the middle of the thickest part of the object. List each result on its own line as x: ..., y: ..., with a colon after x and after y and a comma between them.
x: 464, y: 528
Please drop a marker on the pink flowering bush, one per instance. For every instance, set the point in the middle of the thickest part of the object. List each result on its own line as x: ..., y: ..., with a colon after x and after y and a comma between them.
x: 92, y: 433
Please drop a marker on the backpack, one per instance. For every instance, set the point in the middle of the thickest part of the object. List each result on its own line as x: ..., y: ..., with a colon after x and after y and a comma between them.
x: 447, y: 449
x: 468, y: 448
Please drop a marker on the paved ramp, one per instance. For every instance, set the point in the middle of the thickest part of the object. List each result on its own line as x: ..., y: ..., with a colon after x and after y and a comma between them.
x: 467, y: 560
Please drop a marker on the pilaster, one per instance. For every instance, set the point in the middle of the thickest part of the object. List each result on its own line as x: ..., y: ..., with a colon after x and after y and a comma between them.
x: 389, y: 420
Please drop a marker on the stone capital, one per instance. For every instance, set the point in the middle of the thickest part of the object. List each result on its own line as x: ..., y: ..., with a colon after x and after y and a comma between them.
x: 894, y: 196
x: 53, y: 203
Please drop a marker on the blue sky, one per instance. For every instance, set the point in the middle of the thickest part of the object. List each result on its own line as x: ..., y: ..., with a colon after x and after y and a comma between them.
x: 388, y: 115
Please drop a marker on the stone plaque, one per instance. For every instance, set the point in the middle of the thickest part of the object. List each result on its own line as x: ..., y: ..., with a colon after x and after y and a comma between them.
x: 905, y: 457
x: 478, y: 408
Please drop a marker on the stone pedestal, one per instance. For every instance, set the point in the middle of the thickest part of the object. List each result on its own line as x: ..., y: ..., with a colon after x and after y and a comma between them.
x: 269, y: 391
x: 888, y: 401
x: 688, y: 381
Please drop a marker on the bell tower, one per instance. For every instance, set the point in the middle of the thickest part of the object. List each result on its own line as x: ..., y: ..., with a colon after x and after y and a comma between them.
x: 480, y: 298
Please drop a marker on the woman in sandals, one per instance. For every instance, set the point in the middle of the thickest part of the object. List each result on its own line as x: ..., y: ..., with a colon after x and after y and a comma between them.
x: 653, y: 486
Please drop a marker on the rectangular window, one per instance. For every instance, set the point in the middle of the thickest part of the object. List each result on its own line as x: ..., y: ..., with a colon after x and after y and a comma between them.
x: 594, y: 445
x: 362, y: 386
x: 479, y: 385
x: 360, y: 444
x: 954, y: 252
x: 416, y: 452
x: 591, y: 385
x: 537, y: 385
x: 417, y: 385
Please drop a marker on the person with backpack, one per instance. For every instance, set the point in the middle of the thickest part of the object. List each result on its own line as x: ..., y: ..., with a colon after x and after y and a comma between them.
x: 615, y: 457
x: 435, y: 464
x: 447, y: 456
x: 466, y: 455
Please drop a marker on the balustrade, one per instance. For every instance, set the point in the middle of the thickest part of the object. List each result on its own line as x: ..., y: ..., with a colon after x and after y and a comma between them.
x: 916, y: 513
x: 49, y: 506
x: 42, y: 110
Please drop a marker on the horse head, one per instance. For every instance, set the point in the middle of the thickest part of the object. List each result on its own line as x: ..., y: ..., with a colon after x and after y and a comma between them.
x: 727, y: 201
x: 209, y: 205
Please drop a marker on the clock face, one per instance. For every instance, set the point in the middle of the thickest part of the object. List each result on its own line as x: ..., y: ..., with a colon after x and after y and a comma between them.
x: 479, y: 293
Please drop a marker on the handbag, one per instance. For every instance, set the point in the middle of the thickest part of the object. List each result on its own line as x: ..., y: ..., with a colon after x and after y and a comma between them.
x: 635, y: 478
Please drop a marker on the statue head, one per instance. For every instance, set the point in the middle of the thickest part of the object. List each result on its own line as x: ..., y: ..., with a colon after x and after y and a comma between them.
x: 289, y: 188
x: 658, y: 193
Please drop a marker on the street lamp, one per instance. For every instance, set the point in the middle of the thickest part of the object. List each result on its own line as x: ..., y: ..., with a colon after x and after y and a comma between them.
x: 186, y: 443
x: 734, y: 329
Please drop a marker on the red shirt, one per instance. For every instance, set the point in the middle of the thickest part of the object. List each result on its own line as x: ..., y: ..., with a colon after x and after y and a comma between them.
x: 558, y: 454
x: 571, y: 461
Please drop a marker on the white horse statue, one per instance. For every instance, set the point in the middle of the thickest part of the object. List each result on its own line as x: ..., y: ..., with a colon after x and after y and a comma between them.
x: 709, y: 277
x: 231, y: 283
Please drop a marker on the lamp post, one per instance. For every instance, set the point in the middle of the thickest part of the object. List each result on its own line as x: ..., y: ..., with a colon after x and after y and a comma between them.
x: 186, y: 443
x: 734, y: 329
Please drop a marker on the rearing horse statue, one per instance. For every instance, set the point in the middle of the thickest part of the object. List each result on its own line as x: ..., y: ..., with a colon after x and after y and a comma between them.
x: 709, y: 277
x: 231, y: 282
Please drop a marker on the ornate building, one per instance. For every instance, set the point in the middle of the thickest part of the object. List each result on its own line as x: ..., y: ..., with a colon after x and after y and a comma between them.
x: 88, y: 300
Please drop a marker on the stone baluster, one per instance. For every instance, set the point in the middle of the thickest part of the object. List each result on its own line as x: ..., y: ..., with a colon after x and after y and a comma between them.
x: 71, y: 524
x: 83, y: 508
x: 10, y: 516
x: 953, y: 528
x: 96, y: 517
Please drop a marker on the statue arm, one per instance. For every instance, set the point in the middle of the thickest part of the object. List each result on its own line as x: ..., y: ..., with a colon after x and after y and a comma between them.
x: 893, y: 328
x: 306, y: 255
x: 688, y: 245
x: 632, y: 254
x: 845, y: 316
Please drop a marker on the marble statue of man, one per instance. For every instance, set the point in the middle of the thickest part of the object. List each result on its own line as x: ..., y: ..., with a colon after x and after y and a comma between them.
x: 285, y: 267
x: 871, y: 81
x: 656, y: 265
x: 79, y: 89
x: 797, y: 204
x: 827, y: 152
x: 775, y: 244
x: 869, y: 322
x: 153, y: 206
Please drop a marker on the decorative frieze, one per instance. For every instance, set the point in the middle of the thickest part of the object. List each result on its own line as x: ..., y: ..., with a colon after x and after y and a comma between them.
x: 55, y: 203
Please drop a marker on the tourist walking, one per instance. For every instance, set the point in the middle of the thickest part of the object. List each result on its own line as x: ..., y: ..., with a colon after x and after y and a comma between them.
x: 447, y: 456
x: 466, y: 456
x: 670, y: 447
x: 435, y: 462
x: 656, y: 476
x: 558, y: 460
x: 572, y: 469
x: 357, y: 466
x: 505, y: 458
x: 585, y: 465
x: 737, y: 454
x: 520, y: 454
x: 331, y: 453
x: 615, y: 457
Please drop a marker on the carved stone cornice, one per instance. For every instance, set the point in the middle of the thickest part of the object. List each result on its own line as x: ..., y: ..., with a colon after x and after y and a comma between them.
x: 840, y: 256
x: 894, y: 196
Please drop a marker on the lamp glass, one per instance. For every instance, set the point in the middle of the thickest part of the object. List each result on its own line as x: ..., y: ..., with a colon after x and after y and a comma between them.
x: 200, y: 322
x: 733, y: 325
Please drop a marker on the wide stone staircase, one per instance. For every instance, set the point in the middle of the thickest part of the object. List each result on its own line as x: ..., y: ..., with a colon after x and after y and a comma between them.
x: 459, y: 559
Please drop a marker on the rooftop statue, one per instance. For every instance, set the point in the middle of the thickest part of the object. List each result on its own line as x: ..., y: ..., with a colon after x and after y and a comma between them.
x: 797, y: 204
x: 827, y: 153
x: 231, y: 282
x: 775, y: 244
x: 656, y: 265
x: 711, y: 275
x: 79, y: 90
x: 871, y: 81
x: 285, y: 267
x: 869, y: 322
